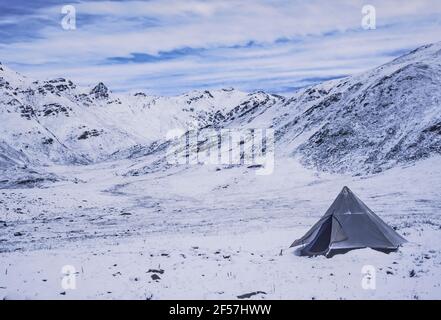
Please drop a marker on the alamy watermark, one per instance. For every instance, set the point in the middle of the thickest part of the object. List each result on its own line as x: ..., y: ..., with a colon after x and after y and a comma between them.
x: 69, y: 280
x: 369, y: 277
x: 251, y: 147
x: 69, y: 20
x: 369, y: 17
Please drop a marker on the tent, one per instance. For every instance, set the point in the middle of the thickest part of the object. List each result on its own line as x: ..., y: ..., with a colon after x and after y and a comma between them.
x: 348, y: 224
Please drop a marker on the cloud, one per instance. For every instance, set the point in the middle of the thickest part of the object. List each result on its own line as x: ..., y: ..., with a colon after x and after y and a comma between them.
x: 170, y: 46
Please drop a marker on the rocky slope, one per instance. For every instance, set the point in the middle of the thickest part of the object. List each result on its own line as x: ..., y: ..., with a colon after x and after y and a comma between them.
x: 366, y: 123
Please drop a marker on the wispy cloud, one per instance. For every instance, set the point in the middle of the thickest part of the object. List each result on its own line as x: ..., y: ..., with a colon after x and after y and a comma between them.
x: 170, y: 46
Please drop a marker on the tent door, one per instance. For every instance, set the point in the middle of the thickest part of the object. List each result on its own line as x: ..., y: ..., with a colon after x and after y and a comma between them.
x: 320, y: 244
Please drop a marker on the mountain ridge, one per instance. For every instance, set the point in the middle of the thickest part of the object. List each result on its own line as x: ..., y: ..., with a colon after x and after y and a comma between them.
x: 360, y: 124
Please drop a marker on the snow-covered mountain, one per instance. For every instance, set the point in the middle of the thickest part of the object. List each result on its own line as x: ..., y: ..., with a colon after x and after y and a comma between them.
x: 56, y: 121
x: 364, y: 123
x: 371, y: 121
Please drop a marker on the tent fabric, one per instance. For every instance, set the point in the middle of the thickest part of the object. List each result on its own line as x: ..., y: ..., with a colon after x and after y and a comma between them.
x: 348, y: 224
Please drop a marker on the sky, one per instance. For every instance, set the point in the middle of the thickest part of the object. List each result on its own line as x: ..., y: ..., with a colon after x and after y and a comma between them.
x: 168, y: 47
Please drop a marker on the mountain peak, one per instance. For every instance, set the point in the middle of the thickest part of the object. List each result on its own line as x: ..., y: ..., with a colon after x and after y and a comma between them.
x: 100, y: 91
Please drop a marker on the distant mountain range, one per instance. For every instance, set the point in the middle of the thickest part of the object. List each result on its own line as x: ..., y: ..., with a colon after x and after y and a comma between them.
x: 362, y: 124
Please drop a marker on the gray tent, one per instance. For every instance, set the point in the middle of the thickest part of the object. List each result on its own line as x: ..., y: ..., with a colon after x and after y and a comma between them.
x: 348, y: 224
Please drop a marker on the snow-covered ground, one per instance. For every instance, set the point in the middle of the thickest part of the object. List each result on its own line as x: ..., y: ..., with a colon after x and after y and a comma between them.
x: 212, y: 233
x: 84, y: 182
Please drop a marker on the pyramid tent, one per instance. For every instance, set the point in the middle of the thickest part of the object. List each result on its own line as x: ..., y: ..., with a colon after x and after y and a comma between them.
x: 348, y: 224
